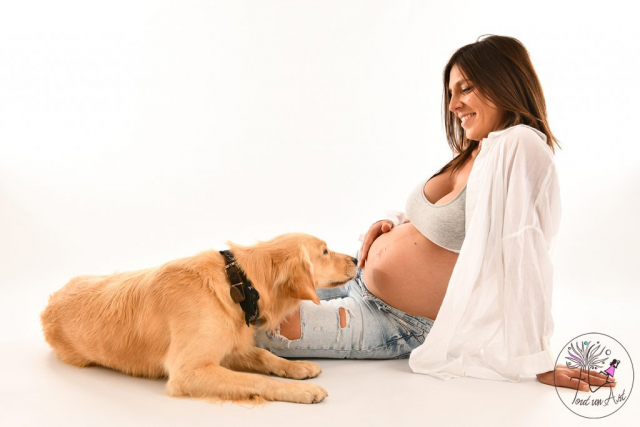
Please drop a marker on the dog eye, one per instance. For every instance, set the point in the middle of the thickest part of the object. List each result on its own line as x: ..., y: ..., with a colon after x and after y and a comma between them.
x: 325, y: 252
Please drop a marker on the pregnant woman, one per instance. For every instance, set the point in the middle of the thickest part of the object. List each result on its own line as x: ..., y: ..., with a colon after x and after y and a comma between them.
x: 492, y: 95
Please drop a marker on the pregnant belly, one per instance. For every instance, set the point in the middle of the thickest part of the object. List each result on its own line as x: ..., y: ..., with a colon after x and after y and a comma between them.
x: 408, y: 271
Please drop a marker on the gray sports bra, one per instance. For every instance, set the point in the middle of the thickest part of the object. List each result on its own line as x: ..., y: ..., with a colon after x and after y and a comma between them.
x: 442, y: 224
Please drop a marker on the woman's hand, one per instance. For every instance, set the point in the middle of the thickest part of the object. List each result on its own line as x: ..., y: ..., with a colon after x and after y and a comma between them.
x: 379, y: 227
x: 568, y: 377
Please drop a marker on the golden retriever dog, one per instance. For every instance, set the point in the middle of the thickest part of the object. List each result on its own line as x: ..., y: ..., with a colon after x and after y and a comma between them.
x: 179, y: 320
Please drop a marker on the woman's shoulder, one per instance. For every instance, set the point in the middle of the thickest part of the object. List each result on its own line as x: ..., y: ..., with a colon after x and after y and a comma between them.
x: 523, y: 132
x: 524, y: 137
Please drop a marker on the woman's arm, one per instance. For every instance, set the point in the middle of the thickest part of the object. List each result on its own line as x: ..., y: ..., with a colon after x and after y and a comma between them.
x: 575, y: 378
x: 392, y: 219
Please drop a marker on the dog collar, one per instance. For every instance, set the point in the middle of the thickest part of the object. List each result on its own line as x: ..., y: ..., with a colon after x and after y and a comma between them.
x: 242, y: 291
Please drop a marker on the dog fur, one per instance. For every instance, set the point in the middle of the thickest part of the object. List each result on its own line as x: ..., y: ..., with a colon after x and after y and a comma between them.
x: 179, y: 321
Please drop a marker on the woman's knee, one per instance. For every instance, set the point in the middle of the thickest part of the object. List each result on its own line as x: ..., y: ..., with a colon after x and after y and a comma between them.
x: 291, y: 327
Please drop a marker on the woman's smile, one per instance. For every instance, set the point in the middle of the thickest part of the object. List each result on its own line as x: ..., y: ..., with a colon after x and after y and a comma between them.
x: 466, y: 119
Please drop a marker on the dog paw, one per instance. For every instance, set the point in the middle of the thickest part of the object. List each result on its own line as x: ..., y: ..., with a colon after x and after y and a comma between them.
x: 305, y: 393
x: 300, y: 370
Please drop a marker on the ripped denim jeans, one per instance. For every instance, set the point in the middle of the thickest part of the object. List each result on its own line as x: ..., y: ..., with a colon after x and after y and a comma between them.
x: 373, y: 330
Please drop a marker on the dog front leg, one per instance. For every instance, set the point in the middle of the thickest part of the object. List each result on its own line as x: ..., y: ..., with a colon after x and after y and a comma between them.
x: 211, y: 380
x: 265, y: 362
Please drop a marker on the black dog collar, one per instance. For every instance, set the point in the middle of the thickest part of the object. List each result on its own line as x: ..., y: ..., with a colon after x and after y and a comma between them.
x: 241, y: 289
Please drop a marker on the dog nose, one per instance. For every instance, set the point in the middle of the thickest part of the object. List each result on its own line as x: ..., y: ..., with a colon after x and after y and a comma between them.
x: 355, y: 260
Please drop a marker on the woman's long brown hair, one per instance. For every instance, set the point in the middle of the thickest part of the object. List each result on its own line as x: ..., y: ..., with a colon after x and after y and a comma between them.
x: 501, y: 70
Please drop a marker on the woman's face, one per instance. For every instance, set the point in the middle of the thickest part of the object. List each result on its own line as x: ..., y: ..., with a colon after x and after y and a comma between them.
x: 482, y: 116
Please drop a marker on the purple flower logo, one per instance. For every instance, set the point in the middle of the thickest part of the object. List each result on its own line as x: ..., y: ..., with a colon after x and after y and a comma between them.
x: 594, y: 352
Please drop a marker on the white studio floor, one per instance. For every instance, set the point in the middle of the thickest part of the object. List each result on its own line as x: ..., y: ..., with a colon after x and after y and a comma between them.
x: 36, y: 389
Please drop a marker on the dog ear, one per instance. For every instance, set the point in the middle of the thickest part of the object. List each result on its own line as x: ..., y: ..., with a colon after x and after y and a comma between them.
x: 300, y: 280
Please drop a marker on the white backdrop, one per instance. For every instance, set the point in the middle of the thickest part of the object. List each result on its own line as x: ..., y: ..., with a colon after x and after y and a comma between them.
x: 132, y: 133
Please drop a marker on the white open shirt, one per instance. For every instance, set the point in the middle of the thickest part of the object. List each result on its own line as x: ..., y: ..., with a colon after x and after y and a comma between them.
x: 495, y: 321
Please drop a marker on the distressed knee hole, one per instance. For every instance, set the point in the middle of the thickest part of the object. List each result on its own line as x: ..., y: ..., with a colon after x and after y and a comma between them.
x: 291, y: 328
x: 343, y: 317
